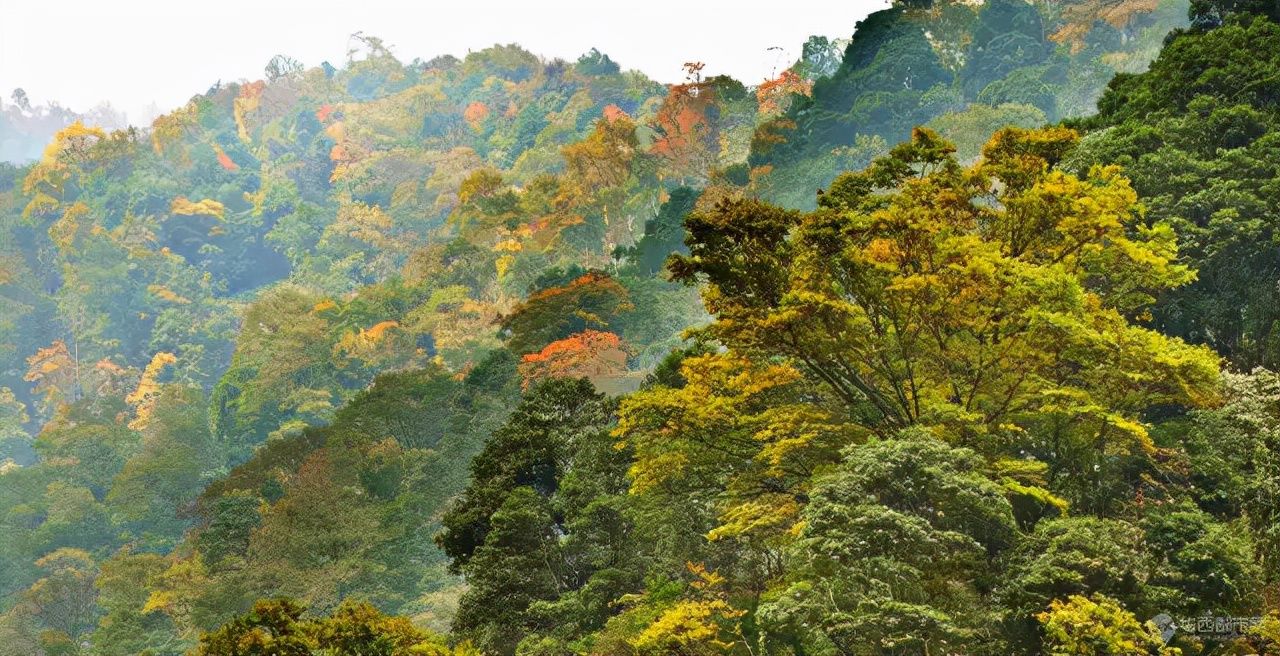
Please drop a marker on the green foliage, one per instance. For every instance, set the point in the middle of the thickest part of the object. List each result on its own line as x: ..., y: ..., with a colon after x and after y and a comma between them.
x: 892, y: 551
x: 663, y: 234
x: 1197, y: 135
x: 274, y: 347
x: 1234, y: 453
x: 916, y: 63
x: 545, y: 499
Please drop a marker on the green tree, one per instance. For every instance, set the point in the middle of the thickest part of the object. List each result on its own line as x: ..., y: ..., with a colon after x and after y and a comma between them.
x: 894, y: 551
x: 545, y: 499
x: 1197, y: 134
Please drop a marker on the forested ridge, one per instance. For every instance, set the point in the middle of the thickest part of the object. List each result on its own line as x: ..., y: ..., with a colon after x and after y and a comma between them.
x: 959, y: 336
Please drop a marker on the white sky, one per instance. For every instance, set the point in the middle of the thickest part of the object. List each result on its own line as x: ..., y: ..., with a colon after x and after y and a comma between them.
x: 136, y: 52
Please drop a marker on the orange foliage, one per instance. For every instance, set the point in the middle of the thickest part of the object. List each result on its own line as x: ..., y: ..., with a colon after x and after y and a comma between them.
x: 1080, y: 17
x: 772, y: 94
x: 604, y: 158
x: 577, y: 286
x: 382, y: 345
x: 687, y: 138
x: 165, y: 294
x: 475, y: 113
x: 253, y: 90
x: 109, y: 378
x: 592, y: 354
x: 223, y: 159
x: 379, y: 330
x: 613, y: 112
x: 324, y: 112
x: 174, y: 126
x: 248, y: 101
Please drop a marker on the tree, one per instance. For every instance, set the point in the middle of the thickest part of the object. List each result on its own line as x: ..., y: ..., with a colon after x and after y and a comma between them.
x: 272, y: 628
x: 144, y: 397
x: 663, y: 234
x: 592, y: 300
x: 1008, y: 36
x: 544, y: 501
x: 995, y: 301
x: 604, y: 158
x: 319, y: 543
x: 1072, y: 556
x: 1209, y: 14
x: 1199, y: 135
x: 56, y: 375
x: 738, y: 441
x: 520, y: 537
x: 62, y: 602
x: 591, y: 354
x: 124, y: 584
x: 891, y: 554
x: 359, y: 629
x: 155, y: 486
x: 14, y: 440
x: 594, y: 62
x: 1097, y: 625
x: 1234, y: 451
x: 277, y: 627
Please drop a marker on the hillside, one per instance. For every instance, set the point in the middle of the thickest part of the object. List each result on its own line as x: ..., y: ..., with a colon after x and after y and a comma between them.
x: 929, y: 345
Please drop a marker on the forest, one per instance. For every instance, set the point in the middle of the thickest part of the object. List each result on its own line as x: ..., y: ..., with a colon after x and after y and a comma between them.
x: 960, y: 336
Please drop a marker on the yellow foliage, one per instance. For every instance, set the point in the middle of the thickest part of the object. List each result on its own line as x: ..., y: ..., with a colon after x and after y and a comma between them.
x: 369, y: 344
x: 61, y: 163
x: 336, y: 131
x: 143, y: 398
x: 376, y: 332
x: 166, y: 294
x: 68, y: 229
x: 55, y: 374
x: 366, y: 223
x: 257, y: 199
x: 745, y: 421
x: 206, y: 207
x: 705, y: 624
x: 177, y: 591
x: 173, y: 126
x: 503, y: 264
x: 248, y: 101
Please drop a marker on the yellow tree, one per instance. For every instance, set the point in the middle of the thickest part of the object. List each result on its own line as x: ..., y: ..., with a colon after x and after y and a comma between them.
x: 143, y: 399
x: 987, y: 301
x: 741, y: 438
x: 56, y: 375
x: 60, y: 167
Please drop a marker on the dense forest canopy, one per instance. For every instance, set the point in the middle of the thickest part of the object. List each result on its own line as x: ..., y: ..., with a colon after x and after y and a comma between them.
x: 958, y: 336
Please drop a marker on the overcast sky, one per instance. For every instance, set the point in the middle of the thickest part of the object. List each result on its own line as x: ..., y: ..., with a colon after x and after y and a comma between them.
x: 135, y: 52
